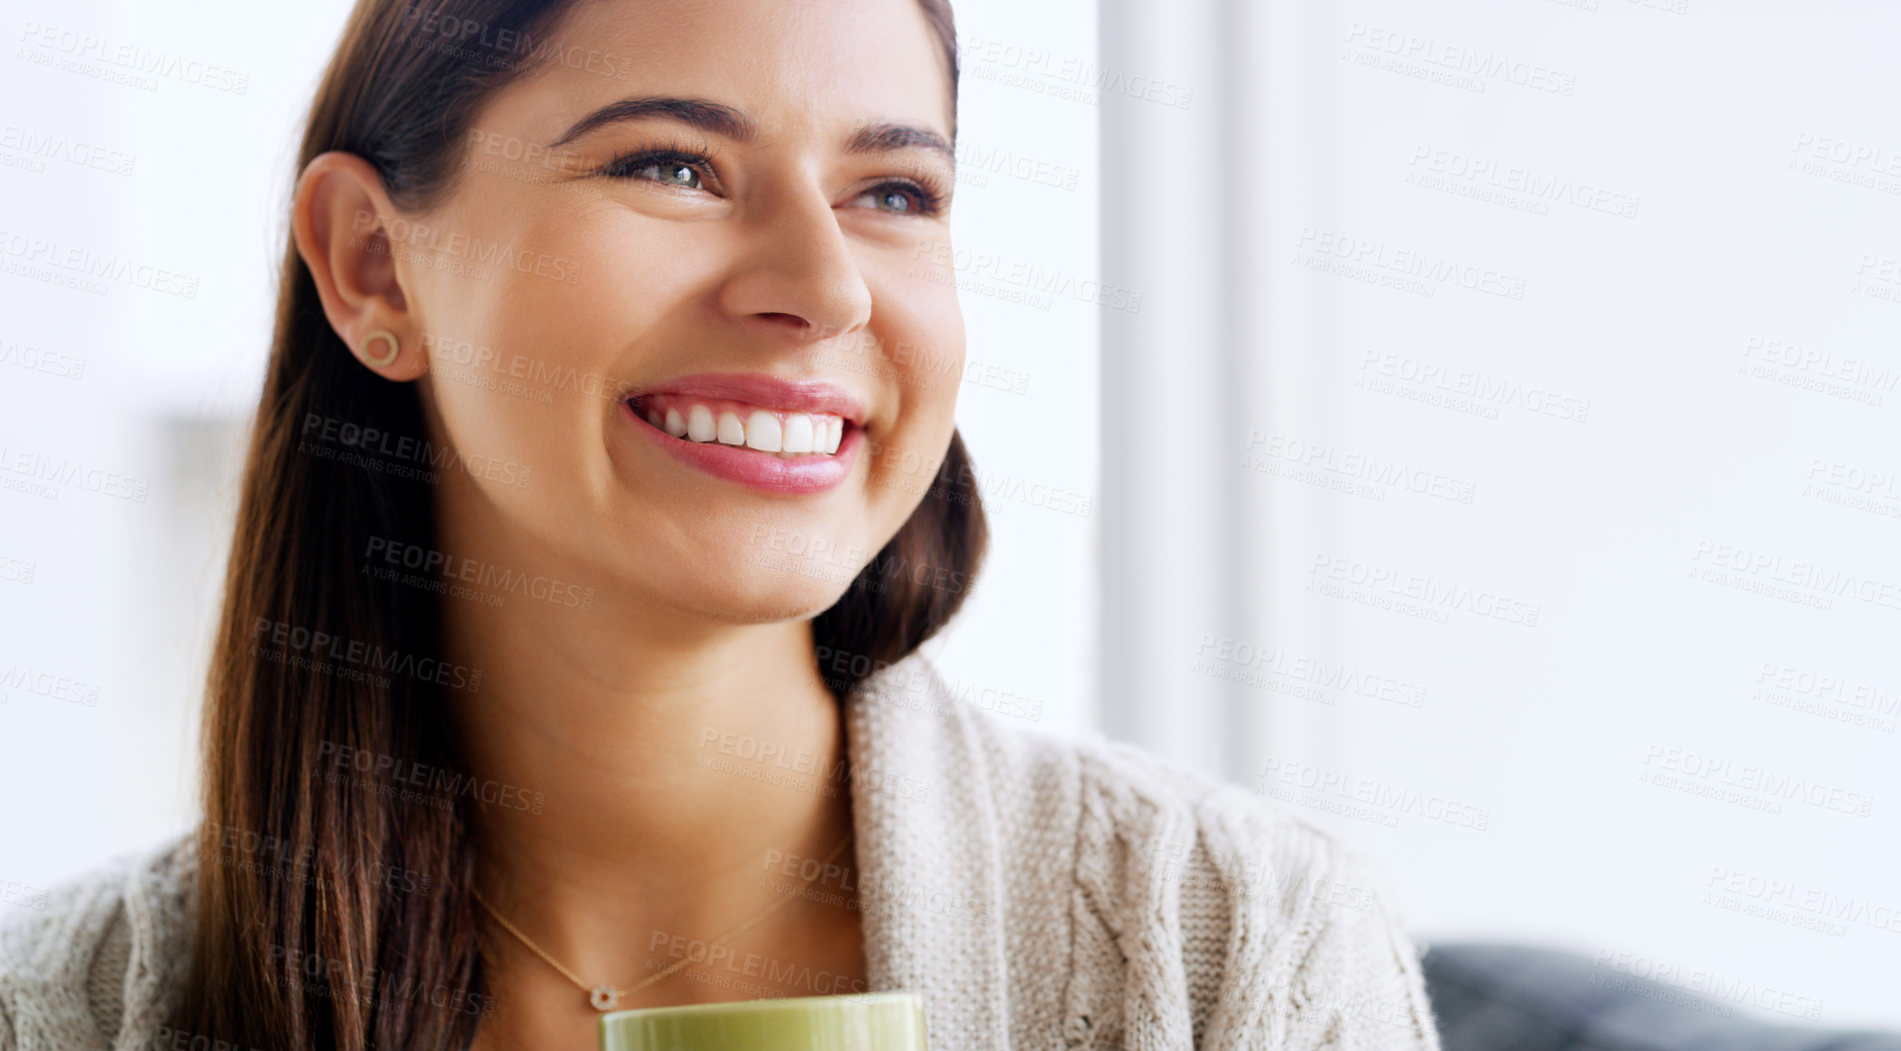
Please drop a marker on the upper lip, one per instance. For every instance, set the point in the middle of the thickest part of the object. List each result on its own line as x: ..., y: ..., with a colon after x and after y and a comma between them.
x: 767, y: 392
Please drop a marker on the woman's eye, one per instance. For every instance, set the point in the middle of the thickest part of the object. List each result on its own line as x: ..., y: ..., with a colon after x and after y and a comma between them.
x: 896, y: 198
x: 672, y: 173
x: 667, y: 171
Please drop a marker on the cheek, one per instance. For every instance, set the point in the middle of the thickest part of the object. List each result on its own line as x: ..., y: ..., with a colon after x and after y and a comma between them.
x: 526, y: 350
x: 923, y: 326
x: 924, y: 362
x: 516, y: 379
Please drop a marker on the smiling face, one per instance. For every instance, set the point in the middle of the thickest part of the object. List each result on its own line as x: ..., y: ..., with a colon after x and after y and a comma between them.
x: 698, y: 234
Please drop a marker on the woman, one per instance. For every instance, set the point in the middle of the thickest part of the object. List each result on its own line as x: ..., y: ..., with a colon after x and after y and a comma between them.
x: 602, y: 489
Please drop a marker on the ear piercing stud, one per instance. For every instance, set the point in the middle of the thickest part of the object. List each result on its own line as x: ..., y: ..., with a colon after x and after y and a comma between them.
x: 382, y: 334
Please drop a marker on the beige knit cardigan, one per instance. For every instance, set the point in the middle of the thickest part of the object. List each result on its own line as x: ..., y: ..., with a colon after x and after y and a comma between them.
x: 1040, y: 891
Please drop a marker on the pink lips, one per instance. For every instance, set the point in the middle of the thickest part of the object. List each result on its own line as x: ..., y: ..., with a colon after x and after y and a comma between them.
x: 766, y: 392
x: 766, y: 472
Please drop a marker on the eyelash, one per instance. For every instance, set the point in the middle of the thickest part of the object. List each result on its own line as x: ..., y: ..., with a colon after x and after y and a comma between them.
x: 929, y: 199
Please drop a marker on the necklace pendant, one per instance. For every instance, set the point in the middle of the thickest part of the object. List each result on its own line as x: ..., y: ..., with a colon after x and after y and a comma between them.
x: 604, y: 998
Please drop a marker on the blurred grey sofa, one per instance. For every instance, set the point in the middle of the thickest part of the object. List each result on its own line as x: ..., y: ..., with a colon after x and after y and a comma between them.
x: 1490, y: 997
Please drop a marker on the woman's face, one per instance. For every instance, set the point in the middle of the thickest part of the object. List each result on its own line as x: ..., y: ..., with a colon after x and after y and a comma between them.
x: 701, y: 232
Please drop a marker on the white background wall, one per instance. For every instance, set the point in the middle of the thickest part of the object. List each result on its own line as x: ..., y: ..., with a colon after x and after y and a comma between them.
x: 1660, y: 240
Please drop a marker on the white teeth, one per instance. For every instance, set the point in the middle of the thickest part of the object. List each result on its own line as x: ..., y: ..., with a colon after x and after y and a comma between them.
x: 798, y: 433
x: 762, y: 431
x: 699, y: 424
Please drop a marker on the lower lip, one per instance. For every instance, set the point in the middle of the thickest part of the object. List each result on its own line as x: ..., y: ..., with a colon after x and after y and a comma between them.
x: 766, y: 472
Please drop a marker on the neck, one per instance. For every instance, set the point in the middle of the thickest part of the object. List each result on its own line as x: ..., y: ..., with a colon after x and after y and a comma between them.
x: 672, y: 761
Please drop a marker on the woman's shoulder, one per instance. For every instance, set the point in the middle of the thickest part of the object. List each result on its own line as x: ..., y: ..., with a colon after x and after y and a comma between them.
x: 1215, y: 897
x: 100, y: 954
x: 1137, y: 810
x: 1277, y: 924
x: 1144, y: 808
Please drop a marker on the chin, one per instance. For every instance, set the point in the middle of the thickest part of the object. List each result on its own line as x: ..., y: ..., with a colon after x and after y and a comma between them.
x: 753, y: 584
x: 774, y: 604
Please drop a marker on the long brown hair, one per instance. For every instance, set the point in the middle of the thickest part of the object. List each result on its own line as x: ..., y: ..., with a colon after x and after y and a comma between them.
x: 328, y: 916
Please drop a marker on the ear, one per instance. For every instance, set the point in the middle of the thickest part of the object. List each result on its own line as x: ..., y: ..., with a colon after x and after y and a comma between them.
x: 340, y: 218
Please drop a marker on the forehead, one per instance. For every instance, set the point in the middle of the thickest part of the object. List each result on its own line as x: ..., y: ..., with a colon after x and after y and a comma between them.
x: 820, y: 66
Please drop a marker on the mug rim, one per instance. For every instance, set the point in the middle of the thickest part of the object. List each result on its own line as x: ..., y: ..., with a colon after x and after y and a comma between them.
x: 769, y: 1004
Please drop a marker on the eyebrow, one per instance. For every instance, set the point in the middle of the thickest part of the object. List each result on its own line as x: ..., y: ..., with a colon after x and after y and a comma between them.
x: 889, y: 138
x: 725, y: 121
x: 707, y: 116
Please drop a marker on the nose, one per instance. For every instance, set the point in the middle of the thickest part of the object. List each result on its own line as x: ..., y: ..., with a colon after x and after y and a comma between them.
x: 800, y: 276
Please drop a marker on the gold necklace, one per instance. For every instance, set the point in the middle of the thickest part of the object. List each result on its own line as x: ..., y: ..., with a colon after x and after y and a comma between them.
x: 605, y: 997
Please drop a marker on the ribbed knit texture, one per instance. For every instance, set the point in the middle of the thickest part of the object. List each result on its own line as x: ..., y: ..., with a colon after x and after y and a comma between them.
x: 1040, y: 891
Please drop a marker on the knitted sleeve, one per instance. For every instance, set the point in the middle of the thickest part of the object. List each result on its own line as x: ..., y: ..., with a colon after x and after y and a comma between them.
x: 1358, y: 984
x: 46, y: 964
x: 97, y: 966
x: 1316, y: 956
x: 1210, y: 918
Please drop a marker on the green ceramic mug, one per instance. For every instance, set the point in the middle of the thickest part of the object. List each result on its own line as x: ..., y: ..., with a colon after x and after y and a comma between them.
x: 860, y: 1022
